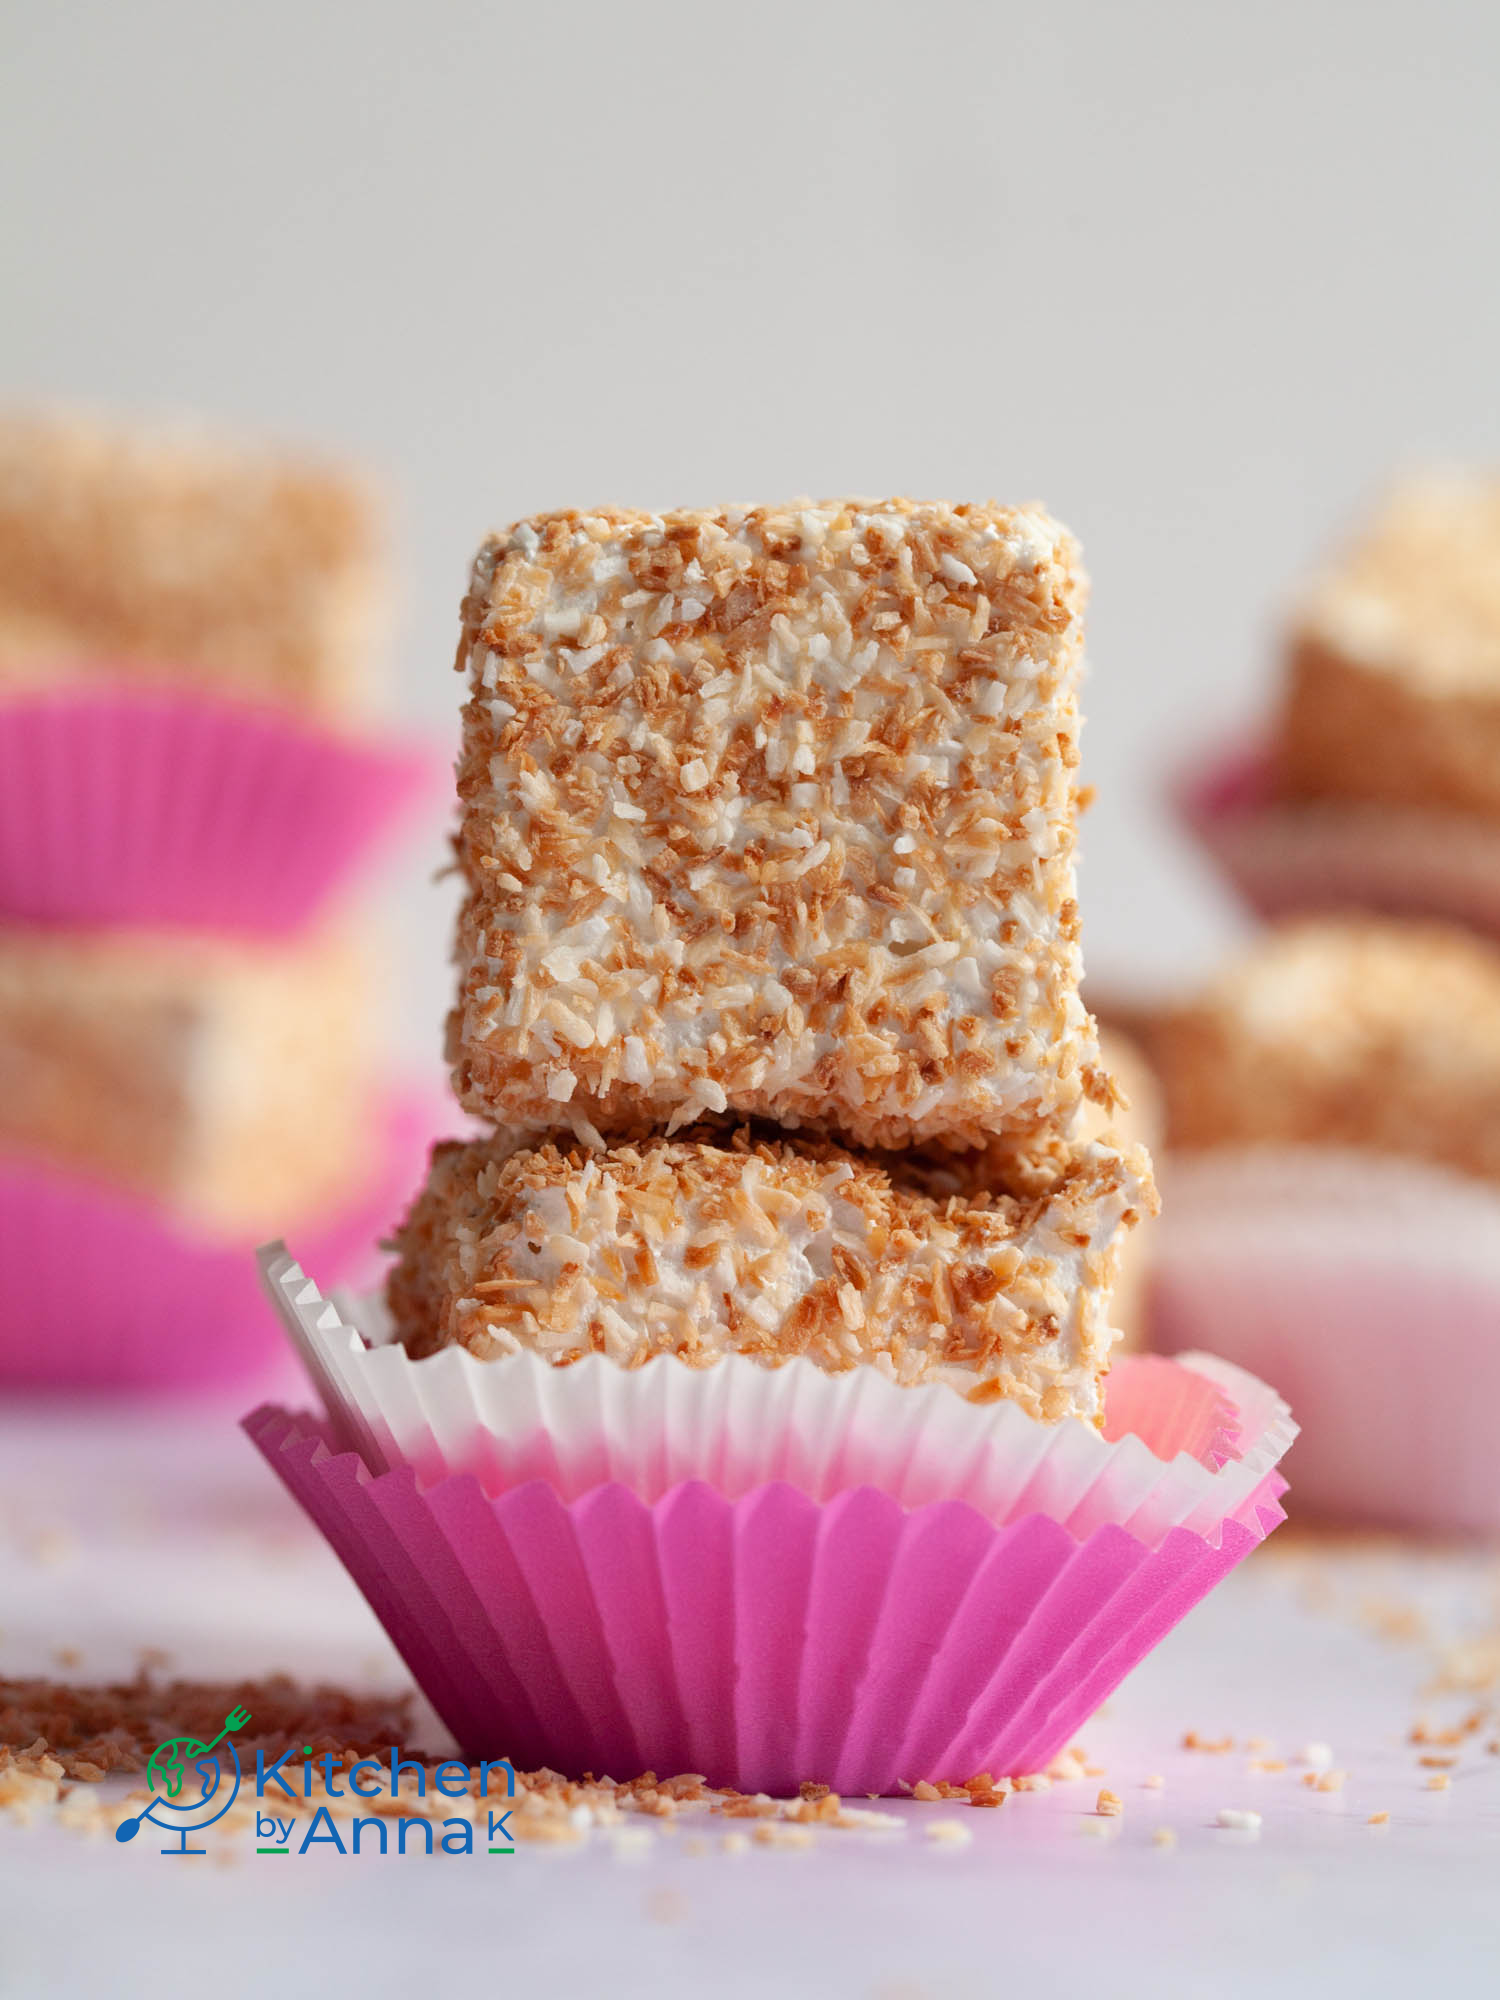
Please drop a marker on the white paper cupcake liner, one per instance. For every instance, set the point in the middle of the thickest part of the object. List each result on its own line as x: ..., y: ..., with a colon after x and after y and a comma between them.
x: 1368, y: 1288
x: 1217, y: 1432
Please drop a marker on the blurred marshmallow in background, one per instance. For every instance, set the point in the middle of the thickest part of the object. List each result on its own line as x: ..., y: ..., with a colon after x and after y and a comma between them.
x: 1331, y: 1168
x: 190, y: 1038
x: 169, y: 557
x: 1378, y: 784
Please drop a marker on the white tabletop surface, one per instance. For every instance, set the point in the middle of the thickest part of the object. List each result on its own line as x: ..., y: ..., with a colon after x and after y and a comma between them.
x: 120, y: 1531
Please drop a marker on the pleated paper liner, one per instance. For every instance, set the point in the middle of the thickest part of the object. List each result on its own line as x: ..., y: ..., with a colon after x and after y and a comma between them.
x: 1287, y: 859
x: 1368, y: 1288
x: 762, y: 1640
x: 1185, y: 1443
x: 163, y: 809
x: 101, y: 1291
x: 764, y: 1634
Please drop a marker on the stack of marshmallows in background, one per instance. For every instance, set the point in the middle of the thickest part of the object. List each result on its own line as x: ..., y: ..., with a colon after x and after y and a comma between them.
x: 1332, y: 1098
x: 188, y: 784
x: 755, y: 1365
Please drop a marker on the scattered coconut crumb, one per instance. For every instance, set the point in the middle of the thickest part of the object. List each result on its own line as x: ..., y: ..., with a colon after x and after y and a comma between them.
x: 1395, y: 1621
x: 873, y: 1822
x: 1237, y: 1819
x: 1163, y: 1836
x: 1439, y: 1782
x: 1266, y: 1764
x: 1378, y: 1819
x: 1424, y: 1732
x: 1215, y: 1746
x: 1070, y: 1766
x: 948, y: 1832
x: 1317, y: 1756
x: 58, y: 1740
x: 1155, y: 1783
x: 1324, y: 1781
x: 749, y: 1805
x: 987, y: 1791
x: 93, y: 1731
x: 1109, y: 1804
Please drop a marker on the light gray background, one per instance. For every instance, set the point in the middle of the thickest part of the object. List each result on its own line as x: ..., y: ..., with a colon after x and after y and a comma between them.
x: 1198, y: 276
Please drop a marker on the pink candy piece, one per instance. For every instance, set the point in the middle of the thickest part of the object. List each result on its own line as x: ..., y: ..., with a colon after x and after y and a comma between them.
x: 762, y: 1640
x: 165, y: 809
x: 99, y: 1290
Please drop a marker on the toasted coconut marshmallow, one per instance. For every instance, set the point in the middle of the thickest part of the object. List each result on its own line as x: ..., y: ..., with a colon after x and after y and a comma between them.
x: 700, y: 1248
x: 222, y: 1081
x: 1344, y: 1032
x: 1393, y: 683
x: 134, y: 555
x: 770, y: 813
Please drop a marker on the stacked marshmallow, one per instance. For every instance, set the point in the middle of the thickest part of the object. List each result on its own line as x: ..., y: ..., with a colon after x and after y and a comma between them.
x: 768, y: 830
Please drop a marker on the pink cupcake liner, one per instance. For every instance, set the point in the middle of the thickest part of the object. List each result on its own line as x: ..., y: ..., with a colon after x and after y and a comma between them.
x: 101, y: 1291
x: 1148, y: 1397
x: 762, y: 1640
x: 1288, y: 859
x: 1368, y: 1288
x: 163, y: 809
x: 800, y: 1575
